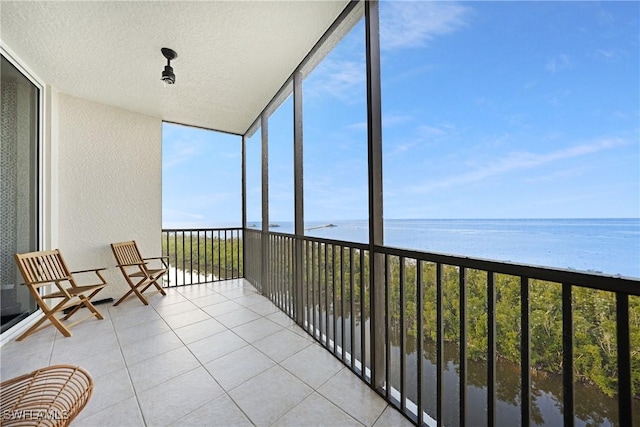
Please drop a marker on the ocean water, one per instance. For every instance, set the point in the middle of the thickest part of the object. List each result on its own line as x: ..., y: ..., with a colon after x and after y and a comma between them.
x: 609, y: 246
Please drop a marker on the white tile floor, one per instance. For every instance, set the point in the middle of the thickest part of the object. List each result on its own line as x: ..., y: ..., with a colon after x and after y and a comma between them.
x: 217, y: 355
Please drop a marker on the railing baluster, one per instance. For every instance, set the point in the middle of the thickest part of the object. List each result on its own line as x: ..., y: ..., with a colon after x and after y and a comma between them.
x: 277, y: 269
x: 342, y: 339
x: 625, y: 413
x: 219, y: 257
x: 333, y: 309
x: 491, y: 349
x: 403, y: 341
x: 463, y: 346
x: 184, y: 273
x: 420, y: 338
x: 362, y: 317
x: 289, y: 271
x: 278, y: 258
x: 288, y: 266
x: 274, y: 265
x: 191, y: 256
x: 567, y: 355
x: 317, y: 330
x: 439, y: 345
x: 308, y: 286
x: 292, y: 276
x: 287, y: 274
x: 326, y: 296
x: 175, y: 268
x: 226, y: 265
x: 206, y: 258
x: 352, y: 316
x: 387, y: 325
x: 198, y: 246
x: 212, y: 257
x: 167, y: 254
x: 279, y: 272
x: 525, y: 356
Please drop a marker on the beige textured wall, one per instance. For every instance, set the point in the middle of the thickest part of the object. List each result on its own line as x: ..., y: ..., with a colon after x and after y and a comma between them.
x: 109, y: 181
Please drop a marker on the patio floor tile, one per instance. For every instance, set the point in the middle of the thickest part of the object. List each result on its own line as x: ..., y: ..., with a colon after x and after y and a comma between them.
x: 349, y: 393
x: 174, y: 399
x: 239, y: 366
x: 268, y: 396
x: 221, y: 412
x: 216, y: 346
x: 315, y: 410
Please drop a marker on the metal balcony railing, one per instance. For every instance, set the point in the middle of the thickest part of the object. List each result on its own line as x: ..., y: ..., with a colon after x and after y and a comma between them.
x: 541, y: 319
x: 202, y: 255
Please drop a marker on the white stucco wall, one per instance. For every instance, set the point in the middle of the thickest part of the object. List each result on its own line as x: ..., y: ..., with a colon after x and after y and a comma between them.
x: 109, y: 184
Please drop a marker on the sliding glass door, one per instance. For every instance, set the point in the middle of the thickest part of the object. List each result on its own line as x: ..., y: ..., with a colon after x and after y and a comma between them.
x: 18, y: 188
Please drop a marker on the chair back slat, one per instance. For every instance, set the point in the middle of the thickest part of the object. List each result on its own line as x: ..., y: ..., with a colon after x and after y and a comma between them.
x: 44, y: 266
x: 126, y: 253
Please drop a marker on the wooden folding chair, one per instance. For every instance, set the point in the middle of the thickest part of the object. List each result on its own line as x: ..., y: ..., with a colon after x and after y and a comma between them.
x: 44, y: 274
x: 136, y: 271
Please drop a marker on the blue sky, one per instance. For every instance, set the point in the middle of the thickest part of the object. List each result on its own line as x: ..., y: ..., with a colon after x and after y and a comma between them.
x: 490, y: 110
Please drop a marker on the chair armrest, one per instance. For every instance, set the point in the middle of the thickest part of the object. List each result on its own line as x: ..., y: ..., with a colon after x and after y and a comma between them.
x: 163, y: 260
x: 41, y: 282
x: 131, y: 265
x: 97, y: 272
x: 88, y: 271
x: 55, y: 282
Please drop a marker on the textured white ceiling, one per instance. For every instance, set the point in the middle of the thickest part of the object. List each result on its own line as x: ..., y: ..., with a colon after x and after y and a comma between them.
x: 232, y: 56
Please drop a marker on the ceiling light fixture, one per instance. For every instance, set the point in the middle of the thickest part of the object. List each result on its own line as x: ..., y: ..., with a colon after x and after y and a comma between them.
x: 167, y: 75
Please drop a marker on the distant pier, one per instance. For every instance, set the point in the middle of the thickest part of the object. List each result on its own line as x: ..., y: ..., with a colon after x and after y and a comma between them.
x: 320, y: 226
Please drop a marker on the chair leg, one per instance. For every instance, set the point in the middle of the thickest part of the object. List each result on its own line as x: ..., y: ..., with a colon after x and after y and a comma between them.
x: 160, y: 289
x: 134, y: 289
x: 85, y: 302
x: 154, y: 282
x: 48, y: 315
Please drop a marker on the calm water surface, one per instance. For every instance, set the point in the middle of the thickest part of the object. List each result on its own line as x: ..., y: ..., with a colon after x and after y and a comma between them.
x: 610, y: 246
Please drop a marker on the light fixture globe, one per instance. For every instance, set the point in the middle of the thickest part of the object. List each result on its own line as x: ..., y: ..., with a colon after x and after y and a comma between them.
x: 168, y: 77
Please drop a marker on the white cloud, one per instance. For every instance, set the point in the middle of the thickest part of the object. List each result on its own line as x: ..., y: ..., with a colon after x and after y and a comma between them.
x: 423, y: 135
x: 390, y: 120
x: 557, y: 175
x: 359, y: 126
x: 558, y: 63
x: 517, y: 161
x: 413, y: 24
x: 184, y: 152
x: 340, y: 78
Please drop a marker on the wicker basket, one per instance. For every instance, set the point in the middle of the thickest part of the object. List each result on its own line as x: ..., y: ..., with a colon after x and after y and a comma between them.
x: 51, y: 396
